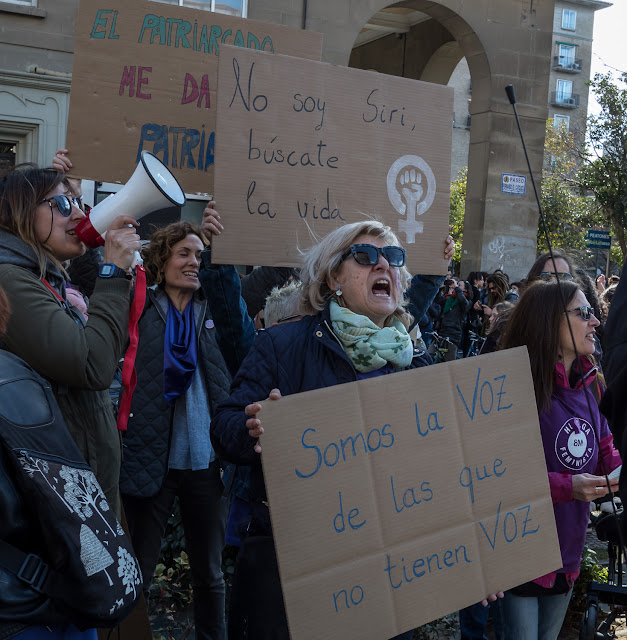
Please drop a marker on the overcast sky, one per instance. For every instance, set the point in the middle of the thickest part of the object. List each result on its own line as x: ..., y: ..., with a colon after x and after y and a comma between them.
x: 609, y: 49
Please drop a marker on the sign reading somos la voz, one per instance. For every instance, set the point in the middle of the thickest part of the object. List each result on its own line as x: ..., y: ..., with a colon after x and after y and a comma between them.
x: 145, y: 78
x: 402, y: 498
x: 307, y: 146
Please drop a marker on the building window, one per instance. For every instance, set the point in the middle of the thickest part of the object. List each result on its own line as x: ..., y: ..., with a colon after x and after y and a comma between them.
x: 564, y: 91
x: 569, y: 19
x: 561, y: 121
x: 566, y: 56
x: 231, y: 7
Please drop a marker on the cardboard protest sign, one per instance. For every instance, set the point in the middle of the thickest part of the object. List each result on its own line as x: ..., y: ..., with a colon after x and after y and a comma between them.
x: 307, y: 146
x: 145, y: 78
x: 402, y: 498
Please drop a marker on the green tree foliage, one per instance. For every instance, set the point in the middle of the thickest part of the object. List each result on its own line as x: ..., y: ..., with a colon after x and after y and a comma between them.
x: 585, y: 186
x: 604, y: 169
x: 456, y: 214
x: 568, y: 214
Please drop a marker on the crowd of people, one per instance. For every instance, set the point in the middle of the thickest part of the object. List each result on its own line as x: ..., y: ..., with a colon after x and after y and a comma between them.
x: 212, y: 343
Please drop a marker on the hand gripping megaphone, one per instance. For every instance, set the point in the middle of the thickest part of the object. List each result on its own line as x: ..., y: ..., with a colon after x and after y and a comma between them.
x: 152, y: 186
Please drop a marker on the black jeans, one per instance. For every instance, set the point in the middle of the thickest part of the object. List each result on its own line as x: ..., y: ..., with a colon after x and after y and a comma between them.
x: 204, y: 515
x: 257, y: 610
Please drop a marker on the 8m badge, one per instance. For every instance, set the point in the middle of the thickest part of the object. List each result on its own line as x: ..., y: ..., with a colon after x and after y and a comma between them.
x: 575, y: 444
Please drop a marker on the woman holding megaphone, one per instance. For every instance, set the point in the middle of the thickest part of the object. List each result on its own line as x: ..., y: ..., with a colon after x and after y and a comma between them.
x: 38, y: 216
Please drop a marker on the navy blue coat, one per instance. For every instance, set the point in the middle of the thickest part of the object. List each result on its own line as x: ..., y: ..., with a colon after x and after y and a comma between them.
x: 293, y: 357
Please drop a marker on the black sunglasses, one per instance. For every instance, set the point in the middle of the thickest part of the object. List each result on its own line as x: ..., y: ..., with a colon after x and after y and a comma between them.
x: 584, y: 312
x: 560, y: 274
x: 64, y: 204
x: 368, y: 254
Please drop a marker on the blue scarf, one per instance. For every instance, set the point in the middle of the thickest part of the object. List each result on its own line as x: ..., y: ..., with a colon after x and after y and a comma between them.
x: 180, y: 352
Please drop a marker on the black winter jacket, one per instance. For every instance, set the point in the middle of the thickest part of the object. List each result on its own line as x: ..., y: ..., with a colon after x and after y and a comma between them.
x: 225, y: 333
x: 293, y: 357
x: 452, y: 321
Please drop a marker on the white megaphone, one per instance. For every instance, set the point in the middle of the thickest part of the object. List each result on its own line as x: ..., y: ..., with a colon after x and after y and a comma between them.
x: 152, y: 186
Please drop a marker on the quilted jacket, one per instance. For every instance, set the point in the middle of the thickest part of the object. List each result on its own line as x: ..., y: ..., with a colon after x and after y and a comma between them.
x: 293, y: 357
x: 225, y: 333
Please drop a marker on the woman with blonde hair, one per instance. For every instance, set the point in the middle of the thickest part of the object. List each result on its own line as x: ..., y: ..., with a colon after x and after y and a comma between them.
x: 352, y: 288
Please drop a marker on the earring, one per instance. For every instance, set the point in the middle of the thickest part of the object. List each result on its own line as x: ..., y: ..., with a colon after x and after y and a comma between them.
x: 338, y: 292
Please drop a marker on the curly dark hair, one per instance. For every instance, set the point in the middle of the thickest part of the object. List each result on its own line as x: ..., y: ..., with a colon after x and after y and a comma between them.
x: 159, y: 249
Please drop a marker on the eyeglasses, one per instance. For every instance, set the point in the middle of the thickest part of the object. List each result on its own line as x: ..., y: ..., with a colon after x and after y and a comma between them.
x: 560, y: 274
x: 585, y: 312
x: 64, y: 204
x: 368, y: 254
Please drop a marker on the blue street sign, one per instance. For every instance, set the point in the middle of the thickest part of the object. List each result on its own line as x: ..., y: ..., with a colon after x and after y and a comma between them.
x: 598, y: 239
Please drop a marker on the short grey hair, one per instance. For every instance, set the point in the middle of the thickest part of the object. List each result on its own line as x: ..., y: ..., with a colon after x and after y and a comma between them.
x: 323, y: 261
x: 282, y: 302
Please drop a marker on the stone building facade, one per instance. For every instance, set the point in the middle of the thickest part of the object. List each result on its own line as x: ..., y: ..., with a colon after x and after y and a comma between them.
x: 502, y: 41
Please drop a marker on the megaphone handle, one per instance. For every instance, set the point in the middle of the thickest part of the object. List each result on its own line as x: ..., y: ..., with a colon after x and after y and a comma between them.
x: 137, y: 260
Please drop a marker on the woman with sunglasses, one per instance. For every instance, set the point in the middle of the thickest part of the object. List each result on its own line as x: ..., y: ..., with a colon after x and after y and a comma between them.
x: 38, y: 215
x: 544, y: 269
x: 578, y: 445
x: 352, y: 287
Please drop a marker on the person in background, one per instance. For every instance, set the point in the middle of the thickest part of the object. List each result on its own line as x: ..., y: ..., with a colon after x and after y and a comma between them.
x: 454, y: 305
x: 564, y: 373
x: 283, y: 304
x: 587, y: 285
x: 498, y: 289
x: 543, y: 268
x: 496, y: 323
x: 38, y: 215
x: 256, y: 287
x: 614, y: 403
x: 193, y: 334
x: 474, y: 317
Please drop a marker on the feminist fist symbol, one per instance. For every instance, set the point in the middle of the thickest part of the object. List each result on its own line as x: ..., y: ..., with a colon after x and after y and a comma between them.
x: 411, y: 190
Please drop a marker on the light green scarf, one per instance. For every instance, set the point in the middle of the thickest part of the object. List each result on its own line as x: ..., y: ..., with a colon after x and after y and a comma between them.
x: 368, y: 346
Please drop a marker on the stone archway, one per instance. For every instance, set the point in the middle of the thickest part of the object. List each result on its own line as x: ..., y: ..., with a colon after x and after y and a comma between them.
x: 504, y: 42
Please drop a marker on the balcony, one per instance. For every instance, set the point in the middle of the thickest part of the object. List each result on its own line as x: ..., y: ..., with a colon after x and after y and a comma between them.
x: 565, y: 100
x: 569, y: 65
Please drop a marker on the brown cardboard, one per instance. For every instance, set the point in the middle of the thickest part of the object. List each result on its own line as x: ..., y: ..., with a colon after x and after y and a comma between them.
x: 320, y: 566
x: 355, y: 160
x: 105, y: 122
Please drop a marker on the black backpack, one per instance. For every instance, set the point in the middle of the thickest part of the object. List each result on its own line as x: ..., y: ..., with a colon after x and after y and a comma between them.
x: 85, y: 563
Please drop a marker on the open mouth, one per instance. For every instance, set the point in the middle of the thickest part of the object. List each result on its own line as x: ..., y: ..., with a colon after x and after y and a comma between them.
x: 71, y: 233
x: 190, y: 274
x: 381, y: 288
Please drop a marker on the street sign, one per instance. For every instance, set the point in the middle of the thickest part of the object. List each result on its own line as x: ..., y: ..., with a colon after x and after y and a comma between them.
x: 598, y: 239
x: 512, y: 183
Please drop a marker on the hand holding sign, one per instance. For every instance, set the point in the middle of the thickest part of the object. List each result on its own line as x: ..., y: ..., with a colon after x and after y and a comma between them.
x: 253, y: 424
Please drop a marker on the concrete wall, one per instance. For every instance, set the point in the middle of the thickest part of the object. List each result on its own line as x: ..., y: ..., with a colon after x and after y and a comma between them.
x: 41, y: 36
